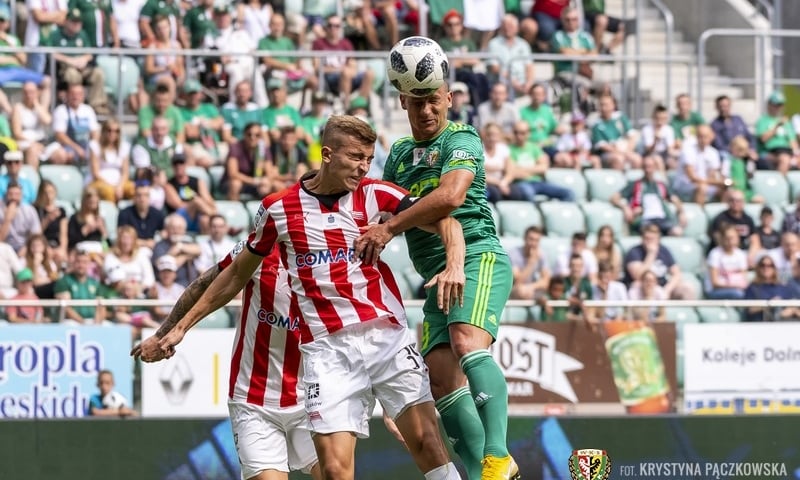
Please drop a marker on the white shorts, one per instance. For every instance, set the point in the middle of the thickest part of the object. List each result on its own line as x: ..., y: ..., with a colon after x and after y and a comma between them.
x: 345, y: 372
x: 271, y: 439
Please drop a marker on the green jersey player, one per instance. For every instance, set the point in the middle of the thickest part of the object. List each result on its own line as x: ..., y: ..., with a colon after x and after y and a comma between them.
x: 442, y: 163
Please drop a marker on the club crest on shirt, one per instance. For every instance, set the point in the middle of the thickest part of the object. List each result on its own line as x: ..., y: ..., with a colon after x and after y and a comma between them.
x: 432, y: 157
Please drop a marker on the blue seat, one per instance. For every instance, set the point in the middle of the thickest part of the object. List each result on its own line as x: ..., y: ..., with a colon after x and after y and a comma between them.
x: 517, y: 216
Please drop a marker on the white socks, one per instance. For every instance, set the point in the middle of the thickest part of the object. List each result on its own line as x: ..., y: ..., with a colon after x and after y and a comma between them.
x: 445, y: 472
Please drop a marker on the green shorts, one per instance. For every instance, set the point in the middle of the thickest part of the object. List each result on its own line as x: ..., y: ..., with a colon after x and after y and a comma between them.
x: 489, y: 281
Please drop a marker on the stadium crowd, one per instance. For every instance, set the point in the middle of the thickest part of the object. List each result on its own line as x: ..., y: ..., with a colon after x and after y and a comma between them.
x: 680, y: 206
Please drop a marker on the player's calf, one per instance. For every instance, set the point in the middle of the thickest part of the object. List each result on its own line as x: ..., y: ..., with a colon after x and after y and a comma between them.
x: 421, y: 432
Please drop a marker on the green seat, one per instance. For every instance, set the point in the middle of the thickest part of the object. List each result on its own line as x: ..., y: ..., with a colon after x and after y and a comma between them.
x: 770, y: 185
x: 604, y: 182
x: 628, y: 242
x: 216, y: 172
x: 217, y: 319
x: 235, y: 213
x: 599, y: 213
x: 110, y: 213
x: 517, y: 216
x: 67, y: 179
x: 69, y: 208
x: 415, y: 316
x: 413, y: 280
x: 562, y: 219
x: 687, y: 252
x: 396, y: 254
x: 696, y: 221
x: 199, y: 173
x: 511, y: 243
x: 718, y: 314
x: 682, y: 315
x: 252, y: 207
x: 495, y: 217
x: 793, y: 178
x: 713, y: 209
x: 518, y: 315
x: 554, y: 247
x: 121, y: 75
x: 694, y: 282
x: 568, y: 178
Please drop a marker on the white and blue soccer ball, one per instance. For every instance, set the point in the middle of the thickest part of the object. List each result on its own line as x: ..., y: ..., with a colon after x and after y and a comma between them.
x: 417, y: 66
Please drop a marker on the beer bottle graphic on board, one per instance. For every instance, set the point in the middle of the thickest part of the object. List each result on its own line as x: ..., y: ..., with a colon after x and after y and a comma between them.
x: 637, y: 367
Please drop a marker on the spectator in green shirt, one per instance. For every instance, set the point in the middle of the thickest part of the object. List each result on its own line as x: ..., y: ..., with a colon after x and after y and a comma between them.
x: 540, y: 119
x: 313, y: 121
x: 164, y: 8
x: 79, y: 68
x: 530, y: 164
x: 573, y: 40
x: 279, y: 114
x: 776, y: 137
x: 556, y: 290
x: 239, y: 113
x: 77, y: 285
x: 202, y: 123
x: 199, y: 24
x: 685, y: 121
x: 611, y: 137
x: 98, y: 21
x: 161, y: 106
x: 298, y: 78
x: 578, y: 286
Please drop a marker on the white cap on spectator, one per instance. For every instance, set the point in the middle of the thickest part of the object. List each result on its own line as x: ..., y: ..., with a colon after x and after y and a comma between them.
x: 116, y: 274
x: 167, y: 262
x: 15, y: 156
x: 459, y: 87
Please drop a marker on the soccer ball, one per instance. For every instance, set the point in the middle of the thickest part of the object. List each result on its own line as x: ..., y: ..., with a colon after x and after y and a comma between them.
x: 114, y: 401
x: 417, y: 66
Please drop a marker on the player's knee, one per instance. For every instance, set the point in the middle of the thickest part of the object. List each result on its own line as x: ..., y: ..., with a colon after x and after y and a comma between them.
x: 336, y: 469
x: 465, y: 338
x: 427, y: 444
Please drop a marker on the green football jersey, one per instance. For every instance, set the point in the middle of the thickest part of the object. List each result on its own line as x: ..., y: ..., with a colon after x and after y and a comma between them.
x: 417, y: 167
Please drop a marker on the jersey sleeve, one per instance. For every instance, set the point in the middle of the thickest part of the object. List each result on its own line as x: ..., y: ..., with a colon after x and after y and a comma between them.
x: 263, y: 237
x: 465, y: 152
x: 385, y: 197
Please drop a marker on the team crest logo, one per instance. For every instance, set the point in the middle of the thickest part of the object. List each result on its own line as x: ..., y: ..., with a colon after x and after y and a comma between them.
x: 432, y: 158
x: 589, y: 464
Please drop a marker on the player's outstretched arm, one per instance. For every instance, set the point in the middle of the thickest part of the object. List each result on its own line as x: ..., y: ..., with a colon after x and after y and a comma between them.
x: 450, y: 281
x: 440, y: 203
x: 148, y: 349
x: 221, y: 291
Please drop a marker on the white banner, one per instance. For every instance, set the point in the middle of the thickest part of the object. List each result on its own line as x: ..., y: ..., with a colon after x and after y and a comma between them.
x: 741, y: 357
x: 194, y: 382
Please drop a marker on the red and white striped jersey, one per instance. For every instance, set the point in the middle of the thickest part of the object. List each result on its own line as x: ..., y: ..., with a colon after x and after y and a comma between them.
x: 315, y: 237
x: 265, y: 365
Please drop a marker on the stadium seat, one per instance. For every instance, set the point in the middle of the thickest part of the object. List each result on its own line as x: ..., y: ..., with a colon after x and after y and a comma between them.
x: 604, y: 182
x: 496, y: 217
x: 110, y: 214
x: 218, y: 319
x: 517, y: 216
x: 216, y: 172
x: 754, y: 210
x: 568, y: 178
x: 770, y: 185
x: 413, y: 279
x: 713, y: 209
x: 67, y: 179
x: 235, y: 213
x: 511, y: 243
x: 693, y: 281
x: 634, y: 174
x: 793, y: 178
x: 252, y: 207
x: 718, y: 314
x: 69, y: 208
x: 27, y: 172
x: 628, y: 242
x: 599, y: 213
x: 396, y: 254
x: 562, y: 219
x: 682, y: 315
x: 200, y: 173
x: 687, y: 252
x: 518, y: 315
x: 121, y: 74
x: 553, y: 247
x: 696, y: 222
x: 415, y: 317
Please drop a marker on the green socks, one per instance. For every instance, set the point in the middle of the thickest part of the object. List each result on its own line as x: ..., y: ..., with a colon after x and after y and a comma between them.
x: 490, y: 394
x: 464, y: 429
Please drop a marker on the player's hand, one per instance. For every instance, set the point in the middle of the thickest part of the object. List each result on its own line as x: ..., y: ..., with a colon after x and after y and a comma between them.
x: 449, y: 287
x: 148, y: 350
x: 169, y: 341
x: 392, y: 428
x: 370, y: 244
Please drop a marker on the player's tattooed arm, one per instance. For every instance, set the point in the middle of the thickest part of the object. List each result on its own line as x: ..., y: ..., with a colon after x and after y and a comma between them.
x: 187, y: 299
